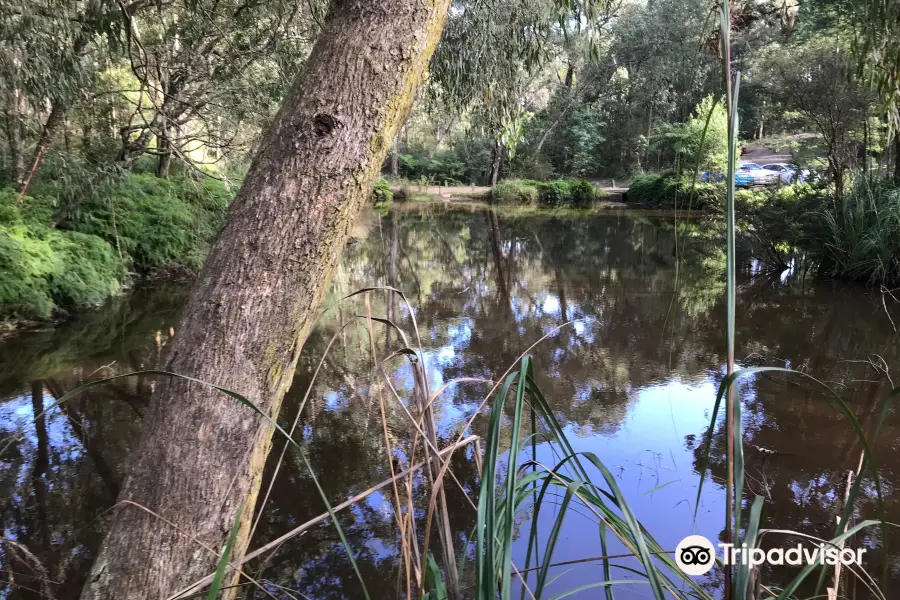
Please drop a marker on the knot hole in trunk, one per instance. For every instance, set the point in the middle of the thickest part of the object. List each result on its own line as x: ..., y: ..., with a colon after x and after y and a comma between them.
x: 324, y: 124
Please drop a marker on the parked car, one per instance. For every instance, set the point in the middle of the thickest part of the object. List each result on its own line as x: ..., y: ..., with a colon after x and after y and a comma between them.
x: 751, y: 174
x: 710, y: 177
x: 788, y: 173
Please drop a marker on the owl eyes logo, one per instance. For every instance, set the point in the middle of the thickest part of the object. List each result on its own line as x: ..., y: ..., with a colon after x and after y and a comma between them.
x: 695, y: 555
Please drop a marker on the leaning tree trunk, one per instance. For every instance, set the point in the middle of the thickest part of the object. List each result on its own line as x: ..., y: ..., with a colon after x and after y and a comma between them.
x: 56, y: 118
x: 201, y: 454
x: 14, y: 136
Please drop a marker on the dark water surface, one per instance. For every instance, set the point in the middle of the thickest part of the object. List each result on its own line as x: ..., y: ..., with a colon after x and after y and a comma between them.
x: 633, y: 380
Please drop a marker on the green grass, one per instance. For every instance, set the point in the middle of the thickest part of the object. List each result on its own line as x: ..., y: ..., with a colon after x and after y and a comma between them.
x: 863, y: 233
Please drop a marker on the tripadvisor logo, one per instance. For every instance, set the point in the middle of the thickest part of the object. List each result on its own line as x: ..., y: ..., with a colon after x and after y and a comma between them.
x: 695, y: 555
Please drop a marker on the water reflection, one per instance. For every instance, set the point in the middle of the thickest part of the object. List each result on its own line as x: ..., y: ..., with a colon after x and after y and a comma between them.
x: 633, y: 379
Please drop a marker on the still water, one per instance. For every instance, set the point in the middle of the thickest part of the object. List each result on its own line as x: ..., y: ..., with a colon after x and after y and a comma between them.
x: 633, y: 378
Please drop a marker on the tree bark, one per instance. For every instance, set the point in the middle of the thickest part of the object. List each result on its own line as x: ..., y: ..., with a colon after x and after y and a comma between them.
x: 395, y: 158
x: 57, y: 114
x: 495, y: 163
x: 164, y: 145
x: 14, y: 136
x: 201, y: 454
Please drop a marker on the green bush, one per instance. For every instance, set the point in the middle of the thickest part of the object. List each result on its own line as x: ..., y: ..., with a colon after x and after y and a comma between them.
x: 582, y: 193
x: 554, y: 193
x: 382, y: 195
x: 573, y: 193
x: 159, y: 224
x: 43, y: 268
x: 515, y: 191
x: 669, y: 190
x: 136, y: 222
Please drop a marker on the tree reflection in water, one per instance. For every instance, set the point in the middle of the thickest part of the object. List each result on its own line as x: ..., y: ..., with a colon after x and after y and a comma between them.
x: 632, y: 379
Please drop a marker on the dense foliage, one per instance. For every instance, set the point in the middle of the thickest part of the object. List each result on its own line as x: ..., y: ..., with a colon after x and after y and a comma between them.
x: 142, y: 226
x: 570, y: 193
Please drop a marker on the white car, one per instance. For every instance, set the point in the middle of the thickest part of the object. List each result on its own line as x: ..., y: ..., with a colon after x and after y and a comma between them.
x: 788, y: 173
x: 750, y: 174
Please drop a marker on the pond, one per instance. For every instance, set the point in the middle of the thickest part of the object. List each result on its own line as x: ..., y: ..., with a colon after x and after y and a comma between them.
x: 632, y: 376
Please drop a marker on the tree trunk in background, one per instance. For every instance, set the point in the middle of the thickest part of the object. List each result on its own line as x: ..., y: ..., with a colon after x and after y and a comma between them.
x: 897, y: 157
x: 14, y: 108
x: 495, y: 163
x: 395, y: 158
x: 201, y: 454
x: 57, y: 115
x: 164, y: 146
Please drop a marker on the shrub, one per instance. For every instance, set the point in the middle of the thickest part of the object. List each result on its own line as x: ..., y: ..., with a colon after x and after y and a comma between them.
x: 863, y: 233
x: 515, y: 191
x: 554, y: 193
x: 382, y: 195
x: 671, y: 190
x: 136, y: 222
x: 160, y: 224
x: 43, y: 268
x: 404, y: 194
x: 582, y: 193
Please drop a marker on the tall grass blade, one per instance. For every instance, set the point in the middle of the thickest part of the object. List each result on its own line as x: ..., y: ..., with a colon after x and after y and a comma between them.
x: 486, y: 559
x: 226, y: 554
x: 743, y: 575
x: 508, y: 517
x: 604, y: 549
x: 544, y: 571
x: 434, y: 582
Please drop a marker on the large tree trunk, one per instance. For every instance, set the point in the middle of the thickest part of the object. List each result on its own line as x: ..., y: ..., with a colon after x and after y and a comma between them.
x: 201, y: 454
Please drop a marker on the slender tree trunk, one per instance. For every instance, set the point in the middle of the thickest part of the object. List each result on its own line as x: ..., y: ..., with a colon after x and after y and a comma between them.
x: 14, y: 108
x: 495, y: 163
x: 164, y: 145
x: 86, y: 133
x: 442, y: 136
x: 395, y: 158
x: 897, y: 157
x: 201, y: 454
x: 57, y: 115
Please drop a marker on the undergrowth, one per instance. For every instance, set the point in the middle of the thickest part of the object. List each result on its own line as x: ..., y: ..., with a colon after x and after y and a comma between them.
x: 671, y: 190
x: 138, y: 226
x: 574, y: 193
